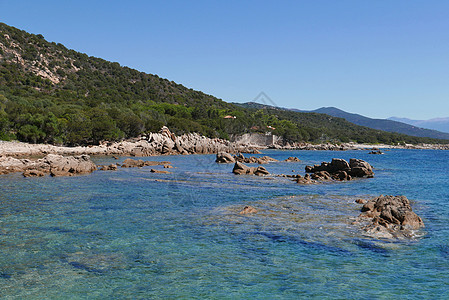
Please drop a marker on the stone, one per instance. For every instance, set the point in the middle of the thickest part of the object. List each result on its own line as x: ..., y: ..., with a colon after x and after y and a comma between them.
x: 248, y: 210
x: 159, y: 171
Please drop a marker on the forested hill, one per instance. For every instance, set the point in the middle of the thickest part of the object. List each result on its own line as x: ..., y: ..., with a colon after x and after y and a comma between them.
x: 52, y: 94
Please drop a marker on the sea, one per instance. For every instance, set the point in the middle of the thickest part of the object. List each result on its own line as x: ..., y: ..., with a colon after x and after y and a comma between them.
x: 134, y: 234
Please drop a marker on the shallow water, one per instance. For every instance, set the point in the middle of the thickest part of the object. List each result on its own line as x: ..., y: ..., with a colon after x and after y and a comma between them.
x: 136, y: 234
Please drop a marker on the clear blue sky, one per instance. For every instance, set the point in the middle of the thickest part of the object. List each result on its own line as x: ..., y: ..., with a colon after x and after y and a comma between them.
x: 378, y: 58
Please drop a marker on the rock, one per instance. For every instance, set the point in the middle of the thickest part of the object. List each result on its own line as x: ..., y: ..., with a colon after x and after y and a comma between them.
x: 360, y: 201
x: 68, y: 166
x: 339, y: 169
x: 111, y: 167
x: 360, y: 168
x: 261, y: 171
x: 252, y: 160
x: 241, y: 169
x: 132, y: 163
x: 159, y: 171
x: 321, y: 175
x: 168, y: 167
x: 304, y: 180
x: 390, y: 215
x: 224, y: 158
x: 376, y: 152
x: 248, y: 210
x: 292, y: 159
x: 33, y: 173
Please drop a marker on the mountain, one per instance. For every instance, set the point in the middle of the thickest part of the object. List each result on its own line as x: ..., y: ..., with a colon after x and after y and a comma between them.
x: 384, y: 124
x: 440, y: 124
x: 51, y: 94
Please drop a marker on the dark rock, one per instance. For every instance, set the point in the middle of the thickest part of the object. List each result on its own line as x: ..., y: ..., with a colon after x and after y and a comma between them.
x: 339, y: 169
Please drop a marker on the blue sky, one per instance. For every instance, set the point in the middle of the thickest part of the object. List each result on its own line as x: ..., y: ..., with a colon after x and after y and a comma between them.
x: 379, y: 58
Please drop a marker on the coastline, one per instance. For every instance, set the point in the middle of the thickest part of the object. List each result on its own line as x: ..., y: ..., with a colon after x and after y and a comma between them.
x: 168, y: 144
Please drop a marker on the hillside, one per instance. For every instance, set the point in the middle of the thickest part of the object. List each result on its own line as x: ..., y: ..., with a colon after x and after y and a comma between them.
x: 50, y: 94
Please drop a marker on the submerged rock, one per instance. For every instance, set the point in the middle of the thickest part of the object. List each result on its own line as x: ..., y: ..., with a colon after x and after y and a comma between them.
x: 248, y: 210
x: 132, y: 163
x: 389, y: 217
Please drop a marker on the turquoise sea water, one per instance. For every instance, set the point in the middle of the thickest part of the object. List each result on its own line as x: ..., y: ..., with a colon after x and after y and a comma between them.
x: 133, y: 234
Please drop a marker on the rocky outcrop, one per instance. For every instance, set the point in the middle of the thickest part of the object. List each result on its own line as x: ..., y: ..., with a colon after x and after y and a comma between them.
x: 340, y: 169
x: 55, y: 165
x: 224, y: 158
x: 241, y: 169
x: 389, y: 217
x: 159, y: 171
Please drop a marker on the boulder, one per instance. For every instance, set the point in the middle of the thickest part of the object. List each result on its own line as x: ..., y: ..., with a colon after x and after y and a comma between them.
x: 224, y: 158
x: 360, y: 168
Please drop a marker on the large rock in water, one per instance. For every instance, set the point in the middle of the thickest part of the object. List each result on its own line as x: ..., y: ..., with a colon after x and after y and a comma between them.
x: 390, y: 216
x: 241, y: 169
x: 360, y: 168
x: 340, y: 169
x: 224, y: 158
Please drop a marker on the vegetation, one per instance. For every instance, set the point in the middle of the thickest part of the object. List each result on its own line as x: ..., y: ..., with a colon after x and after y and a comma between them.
x: 50, y: 94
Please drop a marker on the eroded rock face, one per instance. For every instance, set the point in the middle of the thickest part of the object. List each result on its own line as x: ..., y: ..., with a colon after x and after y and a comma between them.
x: 389, y: 217
x: 339, y: 169
x: 241, y: 169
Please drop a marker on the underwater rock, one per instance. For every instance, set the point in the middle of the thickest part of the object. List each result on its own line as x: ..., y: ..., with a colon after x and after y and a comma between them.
x: 248, y: 210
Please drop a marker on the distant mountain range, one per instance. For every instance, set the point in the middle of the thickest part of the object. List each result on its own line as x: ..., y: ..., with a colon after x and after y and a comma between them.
x: 404, y: 126
x: 388, y: 125
x: 440, y: 124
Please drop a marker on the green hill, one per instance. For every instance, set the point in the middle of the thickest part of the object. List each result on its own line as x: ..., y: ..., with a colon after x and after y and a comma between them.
x: 51, y: 94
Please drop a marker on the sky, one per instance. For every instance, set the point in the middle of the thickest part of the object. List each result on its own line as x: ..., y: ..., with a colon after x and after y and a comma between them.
x: 378, y: 58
